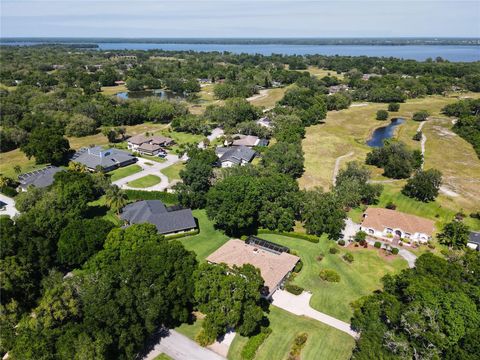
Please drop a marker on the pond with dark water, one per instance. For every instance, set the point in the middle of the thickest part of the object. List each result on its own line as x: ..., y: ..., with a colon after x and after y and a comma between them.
x: 162, y: 94
x: 384, y: 132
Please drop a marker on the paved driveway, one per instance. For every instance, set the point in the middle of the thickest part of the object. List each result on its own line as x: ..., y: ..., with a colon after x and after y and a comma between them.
x: 216, y: 133
x: 179, y: 347
x: 300, y: 305
x: 153, y: 169
x: 351, y: 228
x: 10, y: 209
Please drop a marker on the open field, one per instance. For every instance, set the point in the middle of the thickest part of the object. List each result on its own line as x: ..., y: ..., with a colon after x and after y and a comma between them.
x: 348, y: 130
x: 323, y: 341
x: 120, y: 173
x: 144, y: 182
x: 112, y: 90
x: 320, y: 73
x: 358, y: 278
x: 207, y: 241
x: 268, y: 98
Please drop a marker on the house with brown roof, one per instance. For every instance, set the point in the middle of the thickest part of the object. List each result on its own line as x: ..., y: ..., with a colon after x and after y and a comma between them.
x: 387, y: 223
x: 149, y: 145
x: 274, y: 261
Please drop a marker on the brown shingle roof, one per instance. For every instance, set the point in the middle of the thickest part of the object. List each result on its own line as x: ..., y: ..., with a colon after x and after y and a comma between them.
x: 273, y: 267
x: 246, y: 140
x: 138, y: 139
x: 379, y: 219
x: 149, y: 147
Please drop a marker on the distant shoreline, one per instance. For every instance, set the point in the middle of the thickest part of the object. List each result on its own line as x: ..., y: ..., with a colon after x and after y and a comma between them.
x: 255, y: 41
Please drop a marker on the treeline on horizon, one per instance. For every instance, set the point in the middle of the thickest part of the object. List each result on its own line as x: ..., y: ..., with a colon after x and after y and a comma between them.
x: 394, y: 41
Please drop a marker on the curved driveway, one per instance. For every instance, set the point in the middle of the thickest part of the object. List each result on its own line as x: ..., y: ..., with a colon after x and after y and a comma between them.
x: 154, y: 169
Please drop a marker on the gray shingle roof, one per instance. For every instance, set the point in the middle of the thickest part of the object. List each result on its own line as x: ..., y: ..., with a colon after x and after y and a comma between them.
x: 154, y: 212
x: 235, y: 154
x: 474, y: 238
x: 39, y: 178
x: 96, y: 156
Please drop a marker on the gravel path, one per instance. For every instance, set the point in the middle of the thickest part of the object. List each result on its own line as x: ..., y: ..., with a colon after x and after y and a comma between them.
x: 179, y: 347
x: 300, y: 305
x: 423, y: 141
x: 337, y: 166
x: 149, y: 170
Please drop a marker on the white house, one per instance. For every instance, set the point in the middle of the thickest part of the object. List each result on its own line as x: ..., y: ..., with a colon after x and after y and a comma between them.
x: 386, y: 223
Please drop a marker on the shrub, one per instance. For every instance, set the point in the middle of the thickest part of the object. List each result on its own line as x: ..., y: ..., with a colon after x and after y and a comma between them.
x: 333, y: 250
x: 203, y: 338
x: 329, y: 275
x: 389, y: 236
x: 8, y: 191
x: 253, y: 343
x: 294, y: 289
x: 382, y: 115
x: 395, y: 251
x: 348, y: 257
x: 475, y: 215
x: 406, y: 241
x: 297, y: 346
x: 298, y: 267
x: 341, y: 242
x: 362, y: 242
x: 378, y: 244
x: 390, y: 205
x: 182, y: 235
x: 418, y: 136
x: 393, y: 107
x: 360, y: 235
x: 167, y: 198
x: 320, y: 257
x: 244, y: 237
x: 421, y: 115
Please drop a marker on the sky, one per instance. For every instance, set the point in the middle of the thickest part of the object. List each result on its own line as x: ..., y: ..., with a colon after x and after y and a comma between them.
x: 233, y: 18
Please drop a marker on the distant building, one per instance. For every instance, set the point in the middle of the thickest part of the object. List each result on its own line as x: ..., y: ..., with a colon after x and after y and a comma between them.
x: 119, y: 82
x: 386, y: 223
x: 234, y: 155
x: 369, y: 76
x: 168, y: 220
x: 265, y: 122
x: 149, y: 145
x: 337, y: 88
x: 248, y: 140
x: 474, y: 241
x: 274, y: 261
x: 39, y: 178
x: 58, y: 67
x: 107, y: 160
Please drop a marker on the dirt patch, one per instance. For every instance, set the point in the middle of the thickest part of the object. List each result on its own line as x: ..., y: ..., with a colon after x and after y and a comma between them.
x: 380, y: 252
x: 447, y: 191
x: 441, y: 131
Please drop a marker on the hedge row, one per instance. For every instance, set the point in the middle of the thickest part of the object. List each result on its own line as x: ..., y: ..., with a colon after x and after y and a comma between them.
x: 181, y: 235
x: 294, y: 289
x: 167, y: 198
x: 296, y: 235
x: 251, y: 346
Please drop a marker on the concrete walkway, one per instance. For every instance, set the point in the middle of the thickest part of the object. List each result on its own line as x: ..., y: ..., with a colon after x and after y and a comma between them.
x: 422, y: 142
x: 10, y: 209
x: 337, y: 166
x: 179, y: 347
x: 153, y: 169
x: 300, y: 305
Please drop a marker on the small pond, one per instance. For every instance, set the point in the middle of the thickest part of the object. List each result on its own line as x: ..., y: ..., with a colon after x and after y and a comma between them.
x: 162, y: 94
x: 384, y: 132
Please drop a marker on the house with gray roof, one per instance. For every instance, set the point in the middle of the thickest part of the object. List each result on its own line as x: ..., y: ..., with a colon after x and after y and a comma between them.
x: 234, y: 155
x: 40, y: 178
x: 108, y: 159
x: 168, y: 220
x: 474, y: 241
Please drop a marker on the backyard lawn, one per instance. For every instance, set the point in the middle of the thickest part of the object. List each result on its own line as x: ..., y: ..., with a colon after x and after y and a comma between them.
x: 357, y: 279
x: 122, y: 172
x: 173, y: 171
x: 163, y: 356
x: 323, y: 342
x: 144, y: 182
x: 207, y: 241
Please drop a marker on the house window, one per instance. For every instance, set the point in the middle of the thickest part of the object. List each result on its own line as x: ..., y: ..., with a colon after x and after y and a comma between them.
x: 389, y: 231
x: 407, y: 235
x: 371, y: 231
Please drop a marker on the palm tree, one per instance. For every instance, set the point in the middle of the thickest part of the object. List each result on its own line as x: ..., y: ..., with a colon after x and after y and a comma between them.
x: 78, y: 167
x: 17, y: 169
x: 115, y: 198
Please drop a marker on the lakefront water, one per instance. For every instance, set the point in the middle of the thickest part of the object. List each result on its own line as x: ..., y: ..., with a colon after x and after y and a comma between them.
x: 384, y: 132
x: 414, y: 52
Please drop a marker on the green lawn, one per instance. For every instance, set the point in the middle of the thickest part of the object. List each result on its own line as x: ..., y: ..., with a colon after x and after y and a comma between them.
x: 145, y: 182
x: 120, y: 173
x: 323, y: 342
x: 357, y: 279
x: 207, y: 241
x: 154, y: 158
x: 163, y: 356
x: 99, y: 208
x: 173, y: 171
x: 190, y: 330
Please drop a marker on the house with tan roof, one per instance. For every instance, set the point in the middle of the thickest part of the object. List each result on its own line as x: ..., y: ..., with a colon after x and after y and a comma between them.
x: 274, y: 261
x: 387, y: 223
x: 148, y: 145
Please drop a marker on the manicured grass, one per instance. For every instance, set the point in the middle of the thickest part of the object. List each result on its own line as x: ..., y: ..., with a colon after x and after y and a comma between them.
x: 320, y: 73
x: 358, y: 279
x: 348, y: 130
x: 181, y: 137
x: 163, y: 356
x: 153, y: 158
x: 120, y: 173
x: 99, y: 208
x: 145, y: 182
x: 173, y: 171
x: 270, y: 99
x: 323, y: 342
x: 190, y: 330
x: 9, y: 159
x: 207, y: 241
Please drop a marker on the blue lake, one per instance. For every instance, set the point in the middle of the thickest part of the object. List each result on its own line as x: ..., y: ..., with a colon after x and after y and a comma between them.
x: 162, y: 94
x: 384, y: 132
x: 415, y: 52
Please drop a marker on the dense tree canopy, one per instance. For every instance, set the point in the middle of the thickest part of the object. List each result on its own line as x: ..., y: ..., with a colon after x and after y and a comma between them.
x: 424, y: 185
x: 455, y: 235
